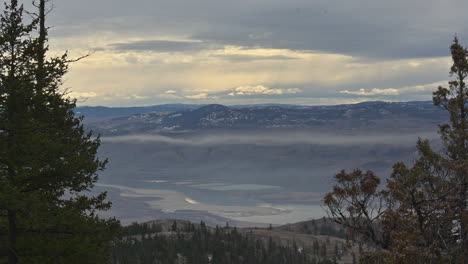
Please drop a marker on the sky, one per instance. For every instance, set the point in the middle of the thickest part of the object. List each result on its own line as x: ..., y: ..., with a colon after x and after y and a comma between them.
x: 310, y: 52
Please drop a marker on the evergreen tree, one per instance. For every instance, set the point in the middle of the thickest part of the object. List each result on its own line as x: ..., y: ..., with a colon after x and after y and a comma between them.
x: 421, y: 216
x: 430, y: 199
x: 455, y: 136
x: 337, y: 251
x: 323, y: 250
x: 47, y: 159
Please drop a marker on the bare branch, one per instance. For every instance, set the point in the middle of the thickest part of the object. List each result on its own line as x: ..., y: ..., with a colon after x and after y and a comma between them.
x: 81, y: 57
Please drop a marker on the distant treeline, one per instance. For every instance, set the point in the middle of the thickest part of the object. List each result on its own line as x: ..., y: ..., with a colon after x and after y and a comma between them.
x: 199, y: 244
x: 317, y: 227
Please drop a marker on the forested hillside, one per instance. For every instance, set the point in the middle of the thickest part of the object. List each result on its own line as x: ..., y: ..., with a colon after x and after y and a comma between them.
x: 183, y: 242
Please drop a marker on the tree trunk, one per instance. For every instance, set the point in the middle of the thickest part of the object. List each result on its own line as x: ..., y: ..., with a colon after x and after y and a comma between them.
x: 462, y: 175
x: 41, y: 48
x: 12, y: 237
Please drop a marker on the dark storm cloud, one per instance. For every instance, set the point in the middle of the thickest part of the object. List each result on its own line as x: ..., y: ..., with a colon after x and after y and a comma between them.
x: 355, y: 33
x: 160, y: 46
x: 373, y: 29
x: 356, y: 43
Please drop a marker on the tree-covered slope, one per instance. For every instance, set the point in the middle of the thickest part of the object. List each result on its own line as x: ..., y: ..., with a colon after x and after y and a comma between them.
x: 171, y: 241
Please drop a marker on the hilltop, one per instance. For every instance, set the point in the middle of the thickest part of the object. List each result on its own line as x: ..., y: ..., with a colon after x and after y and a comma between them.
x: 198, y: 242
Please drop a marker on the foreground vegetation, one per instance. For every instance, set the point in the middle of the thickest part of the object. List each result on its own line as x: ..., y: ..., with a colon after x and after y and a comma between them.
x: 47, y: 159
x: 421, y: 214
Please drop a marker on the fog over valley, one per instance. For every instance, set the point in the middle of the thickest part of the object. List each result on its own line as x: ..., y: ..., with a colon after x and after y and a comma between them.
x: 272, y: 138
x: 248, y: 174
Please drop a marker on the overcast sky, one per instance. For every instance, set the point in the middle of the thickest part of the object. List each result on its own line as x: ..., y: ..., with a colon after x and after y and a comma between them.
x: 149, y: 52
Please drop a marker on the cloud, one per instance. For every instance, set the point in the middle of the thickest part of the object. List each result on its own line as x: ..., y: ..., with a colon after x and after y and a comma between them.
x: 316, y: 75
x: 129, y: 96
x: 200, y: 96
x: 159, y: 45
x: 170, y: 92
x: 353, y: 28
x: 138, y: 97
x: 320, y: 47
x: 249, y: 58
x: 132, y: 59
x: 375, y: 91
x: 420, y: 89
x: 423, y: 88
x: 261, y: 89
x: 369, y: 28
x: 82, y: 95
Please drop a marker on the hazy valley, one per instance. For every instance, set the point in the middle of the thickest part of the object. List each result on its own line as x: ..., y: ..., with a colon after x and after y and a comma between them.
x: 262, y: 164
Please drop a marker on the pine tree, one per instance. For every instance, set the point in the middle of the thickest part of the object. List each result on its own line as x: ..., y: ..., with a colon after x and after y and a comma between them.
x: 455, y: 136
x: 431, y: 195
x: 421, y: 216
x: 47, y: 159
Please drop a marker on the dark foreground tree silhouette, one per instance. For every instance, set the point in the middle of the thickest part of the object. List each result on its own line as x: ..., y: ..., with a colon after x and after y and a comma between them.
x: 47, y: 160
x: 421, y: 215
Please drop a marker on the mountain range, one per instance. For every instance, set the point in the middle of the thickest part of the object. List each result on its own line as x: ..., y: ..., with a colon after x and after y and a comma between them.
x: 166, y: 118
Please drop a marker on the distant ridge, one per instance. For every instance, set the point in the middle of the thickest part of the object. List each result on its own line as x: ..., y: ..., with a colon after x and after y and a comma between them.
x: 167, y: 118
x: 108, y: 112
